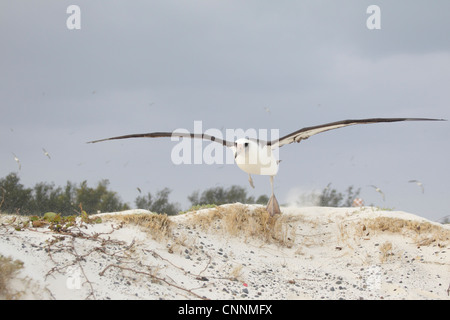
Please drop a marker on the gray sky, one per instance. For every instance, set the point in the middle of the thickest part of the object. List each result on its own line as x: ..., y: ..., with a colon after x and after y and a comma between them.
x: 143, y: 66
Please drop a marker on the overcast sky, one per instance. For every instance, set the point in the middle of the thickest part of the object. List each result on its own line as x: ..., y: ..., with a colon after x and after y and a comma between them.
x: 143, y: 66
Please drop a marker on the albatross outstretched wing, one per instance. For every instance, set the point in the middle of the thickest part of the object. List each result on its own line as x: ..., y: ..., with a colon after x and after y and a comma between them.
x: 307, y: 132
x: 169, y: 135
x: 296, y: 136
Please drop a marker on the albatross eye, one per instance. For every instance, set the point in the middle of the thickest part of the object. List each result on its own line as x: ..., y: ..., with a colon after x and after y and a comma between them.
x: 246, y: 144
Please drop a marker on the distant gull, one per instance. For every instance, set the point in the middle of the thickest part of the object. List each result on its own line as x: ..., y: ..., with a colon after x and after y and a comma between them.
x: 379, y: 191
x: 418, y: 183
x: 46, y: 153
x: 18, y: 161
x: 261, y: 151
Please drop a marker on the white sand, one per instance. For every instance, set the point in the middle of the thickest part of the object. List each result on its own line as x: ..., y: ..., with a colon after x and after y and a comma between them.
x: 328, y: 254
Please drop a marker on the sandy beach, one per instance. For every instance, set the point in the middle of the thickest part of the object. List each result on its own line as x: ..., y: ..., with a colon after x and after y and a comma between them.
x: 228, y: 252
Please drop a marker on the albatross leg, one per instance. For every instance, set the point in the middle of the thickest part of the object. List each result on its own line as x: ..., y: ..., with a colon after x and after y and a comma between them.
x: 251, y: 181
x: 272, y: 206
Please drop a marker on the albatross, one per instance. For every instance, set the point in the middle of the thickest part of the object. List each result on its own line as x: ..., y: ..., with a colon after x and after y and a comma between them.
x: 254, y: 156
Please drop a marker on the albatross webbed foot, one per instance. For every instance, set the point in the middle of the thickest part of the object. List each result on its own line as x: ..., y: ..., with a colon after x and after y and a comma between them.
x: 273, y: 207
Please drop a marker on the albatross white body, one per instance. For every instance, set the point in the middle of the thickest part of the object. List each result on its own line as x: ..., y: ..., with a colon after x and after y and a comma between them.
x: 257, y: 157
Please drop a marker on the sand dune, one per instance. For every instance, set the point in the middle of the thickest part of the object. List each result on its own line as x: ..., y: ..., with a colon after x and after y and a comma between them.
x: 231, y: 252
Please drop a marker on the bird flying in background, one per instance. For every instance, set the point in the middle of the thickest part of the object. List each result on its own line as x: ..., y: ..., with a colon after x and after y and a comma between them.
x: 379, y: 191
x: 46, y: 153
x: 420, y: 184
x: 18, y: 161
